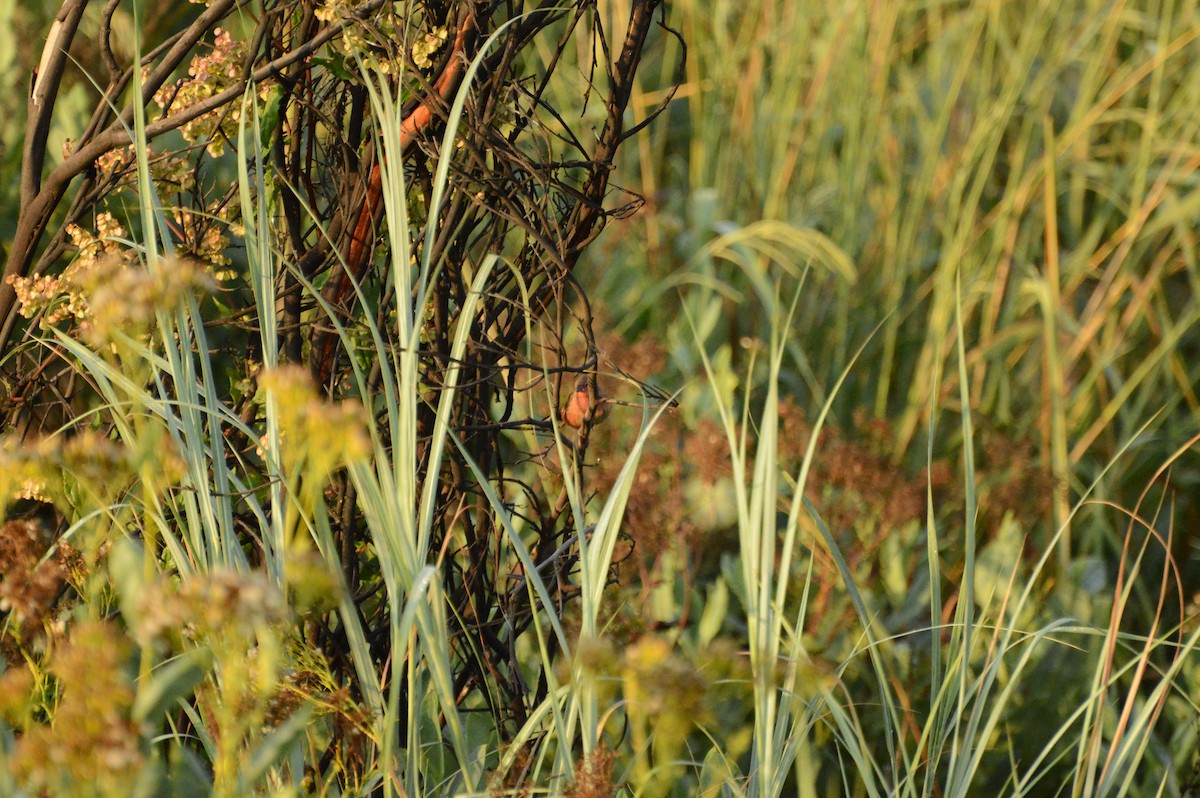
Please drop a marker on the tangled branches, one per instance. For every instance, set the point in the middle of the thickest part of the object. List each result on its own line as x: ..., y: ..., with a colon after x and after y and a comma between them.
x: 529, y: 180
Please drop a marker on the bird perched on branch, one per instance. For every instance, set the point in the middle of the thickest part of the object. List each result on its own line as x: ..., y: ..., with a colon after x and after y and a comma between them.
x: 584, y: 406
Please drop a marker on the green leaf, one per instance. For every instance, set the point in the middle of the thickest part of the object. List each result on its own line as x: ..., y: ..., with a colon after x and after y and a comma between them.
x: 173, y: 681
x: 715, y: 609
x: 189, y: 778
x: 148, y: 782
x: 731, y: 575
x: 275, y: 746
x: 126, y: 569
x: 996, y: 562
x: 268, y: 118
x: 718, y: 775
x: 337, y: 67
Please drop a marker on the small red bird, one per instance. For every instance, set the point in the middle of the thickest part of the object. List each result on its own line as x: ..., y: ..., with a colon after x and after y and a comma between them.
x: 575, y: 413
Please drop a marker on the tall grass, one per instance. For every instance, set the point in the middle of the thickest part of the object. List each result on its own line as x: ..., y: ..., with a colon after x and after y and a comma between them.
x: 1043, y: 153
x: 958, y: 217
x: 395, y: 475
x: 1003, y: 191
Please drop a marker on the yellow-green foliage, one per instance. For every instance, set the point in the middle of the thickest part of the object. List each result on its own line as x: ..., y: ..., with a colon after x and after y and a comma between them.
x: 906, y: 533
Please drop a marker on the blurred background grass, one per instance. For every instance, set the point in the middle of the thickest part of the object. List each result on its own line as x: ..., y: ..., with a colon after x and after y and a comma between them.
x: 1044, y: 155
x: 1018, y: 180
x: 1028, y: 169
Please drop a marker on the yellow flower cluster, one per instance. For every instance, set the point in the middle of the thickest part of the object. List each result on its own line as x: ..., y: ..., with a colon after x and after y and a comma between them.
x: 358, y: 36
x: 123, y: 298
x: 92, y: 748
x: 106, y: 294
x: 62, y: 297
x: 209, y: 75
x: 424, y: 48
x: 318, y: 434
x: 85, y: 466
x: 332, y: 10
x: 113, y: 160
x: 210, y: 607
x: 207, y: 237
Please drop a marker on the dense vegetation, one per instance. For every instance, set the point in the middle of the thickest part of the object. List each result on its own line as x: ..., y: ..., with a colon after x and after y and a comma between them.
x: 514, y: 398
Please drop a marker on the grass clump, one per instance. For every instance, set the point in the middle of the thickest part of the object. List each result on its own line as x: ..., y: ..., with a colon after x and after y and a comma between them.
x: 300, y: 498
